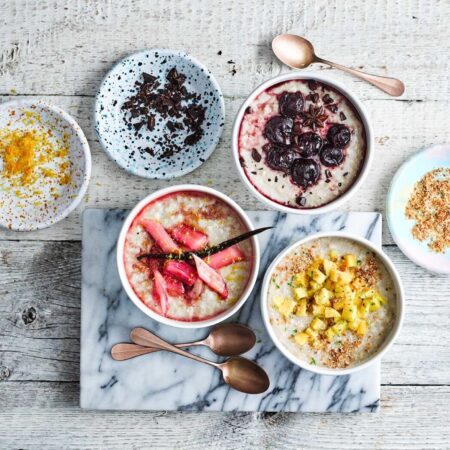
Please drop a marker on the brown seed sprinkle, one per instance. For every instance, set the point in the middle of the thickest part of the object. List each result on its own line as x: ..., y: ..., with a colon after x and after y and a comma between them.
x: 429, y: 206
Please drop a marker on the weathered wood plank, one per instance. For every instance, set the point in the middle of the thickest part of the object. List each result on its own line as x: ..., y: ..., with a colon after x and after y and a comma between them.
x: 34, y: 415
x: 407, y: 127
x: 67, y: 50
x: 43, y: 344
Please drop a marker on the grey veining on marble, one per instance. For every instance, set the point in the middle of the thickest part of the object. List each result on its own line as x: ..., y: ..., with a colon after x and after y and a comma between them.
x: 164, y: 381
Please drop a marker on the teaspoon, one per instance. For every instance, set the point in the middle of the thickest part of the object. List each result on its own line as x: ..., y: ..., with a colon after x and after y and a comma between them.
x: 239, y: 373
x: 298, y: 53
x: 228, y: 339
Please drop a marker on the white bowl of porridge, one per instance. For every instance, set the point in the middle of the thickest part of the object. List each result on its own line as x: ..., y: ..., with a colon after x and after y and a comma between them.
x: 332, y: 303
x: 152, y: 249
x: 302, y: 143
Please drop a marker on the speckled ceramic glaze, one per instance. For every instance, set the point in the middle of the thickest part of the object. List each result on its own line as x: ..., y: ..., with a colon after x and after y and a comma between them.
x: 119, y: 140
x: 30, y: 210
x: 402, y: 186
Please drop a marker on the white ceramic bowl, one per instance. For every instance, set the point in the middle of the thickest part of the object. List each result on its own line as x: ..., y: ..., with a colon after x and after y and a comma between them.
x: 398, y: 321
x: 121, y: 267
x: 339, y: 201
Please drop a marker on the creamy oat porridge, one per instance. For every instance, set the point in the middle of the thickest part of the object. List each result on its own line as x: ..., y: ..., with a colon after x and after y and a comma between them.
x: 331, y: 302
x: 195, y: 289
x: 302, y: 143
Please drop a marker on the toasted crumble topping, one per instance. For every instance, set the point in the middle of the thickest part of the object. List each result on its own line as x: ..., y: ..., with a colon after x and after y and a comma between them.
x: 429, y: 206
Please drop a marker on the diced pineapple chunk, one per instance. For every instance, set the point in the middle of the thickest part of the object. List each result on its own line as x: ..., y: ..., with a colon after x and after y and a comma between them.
x: 344, y: 277
x: 339, y: 327
x: 349, y: 313
x: 278, y: 300
x: 334, y: 255
x: 366, y: 293
x: 330, y: 334
x: 330, y: 285
x: 362, y: 311
x: 301, y: 338
x: 333, y: 275
x: 318, y: 276
x: 300, y: 279
x: 287, y: 307
x: 313, y: 334
x: 354, y: 324
x: 331, y: 313
x: 318, y: 324
x: 328, y: 266
x: 300, y: 292
x: 362, y: 328
x: 371, y: 304
x: 313, y: 287
x: 318, y: 310
x: 323, y: 297
x: 339, y: 305
x: 350, y: 260
x: 301, y: 308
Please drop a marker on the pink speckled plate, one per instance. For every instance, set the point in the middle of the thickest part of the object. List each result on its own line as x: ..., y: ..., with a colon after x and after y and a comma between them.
x: 401, y: 188
x: 49, y: 199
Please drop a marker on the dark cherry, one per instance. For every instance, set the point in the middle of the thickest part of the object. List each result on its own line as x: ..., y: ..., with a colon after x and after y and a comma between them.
x: 280, y: 159
x: 278, y: 130
x: 291, y: 104
x: 309, y: 144
x: 339, y: 135
x: 331, y: 156
x: 305, y: 172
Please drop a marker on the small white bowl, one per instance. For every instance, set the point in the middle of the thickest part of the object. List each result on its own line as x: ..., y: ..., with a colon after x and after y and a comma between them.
x: 127, y: 286
x: 32, y: 214
x: 339, y: 201
x: 399, y: 313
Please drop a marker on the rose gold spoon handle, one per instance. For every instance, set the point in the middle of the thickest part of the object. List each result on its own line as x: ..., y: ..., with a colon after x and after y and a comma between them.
x: 125, y: 350
x: 298, y: 53
x: 239, y: 373
x: 391, y: 86
x: 144, y: 337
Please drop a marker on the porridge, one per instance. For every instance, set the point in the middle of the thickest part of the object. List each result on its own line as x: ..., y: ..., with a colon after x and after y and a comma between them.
x: 331, y: 302
x: 301, y: 143
x: 187, y: 289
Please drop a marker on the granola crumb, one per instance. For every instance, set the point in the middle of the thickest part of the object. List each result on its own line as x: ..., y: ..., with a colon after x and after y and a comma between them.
x: 429, y: 206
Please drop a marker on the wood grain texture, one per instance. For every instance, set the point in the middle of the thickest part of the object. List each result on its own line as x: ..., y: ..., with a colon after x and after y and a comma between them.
x: 412, y: 417
x: 59, y: 50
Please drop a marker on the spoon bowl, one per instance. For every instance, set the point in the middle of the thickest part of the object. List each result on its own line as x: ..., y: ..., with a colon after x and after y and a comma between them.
x: 294, y: 51
x: 244, y: 375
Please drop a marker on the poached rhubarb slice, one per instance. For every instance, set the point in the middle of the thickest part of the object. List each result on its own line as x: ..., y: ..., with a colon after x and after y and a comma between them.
x: 174, y: 287
x: 225, y: 257
x: 160, y: 291
x: 211, y: 277
x: 181, y: 270
x: 160, y: 236
x: 196, y: 291
x: 190, y: 238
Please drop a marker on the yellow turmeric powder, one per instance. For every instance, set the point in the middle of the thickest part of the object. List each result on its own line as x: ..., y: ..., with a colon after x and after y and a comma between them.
x: 26, y: 155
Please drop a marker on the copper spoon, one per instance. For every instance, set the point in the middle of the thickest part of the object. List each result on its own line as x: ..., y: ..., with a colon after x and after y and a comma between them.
x: 239, y: 373
x: 298, y: 53
x: 228, y: 339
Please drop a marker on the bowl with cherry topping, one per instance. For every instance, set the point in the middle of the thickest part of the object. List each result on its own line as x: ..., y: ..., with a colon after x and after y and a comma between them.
x: 187, y: 256
x: 302, y: 142
x: 332, y: 303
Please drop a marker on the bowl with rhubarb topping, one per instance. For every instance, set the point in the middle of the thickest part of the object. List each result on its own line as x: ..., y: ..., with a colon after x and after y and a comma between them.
x: 187, y: 256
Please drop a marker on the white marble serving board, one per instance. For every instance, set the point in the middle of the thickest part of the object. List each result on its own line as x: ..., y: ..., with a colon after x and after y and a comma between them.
x: 164, y: 381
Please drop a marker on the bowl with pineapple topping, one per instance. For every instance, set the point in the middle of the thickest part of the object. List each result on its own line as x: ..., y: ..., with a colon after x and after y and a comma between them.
x: 333, y: 303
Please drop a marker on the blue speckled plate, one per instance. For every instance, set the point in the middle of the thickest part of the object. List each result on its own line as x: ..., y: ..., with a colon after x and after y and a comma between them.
x: 120, y: 141
x: 401, y: 187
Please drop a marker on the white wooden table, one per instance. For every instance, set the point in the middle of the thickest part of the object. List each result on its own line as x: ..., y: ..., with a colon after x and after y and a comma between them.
x: 59, y: 51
